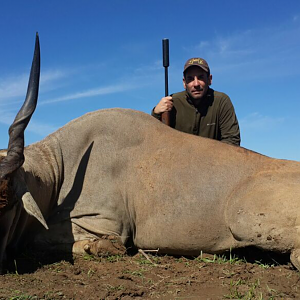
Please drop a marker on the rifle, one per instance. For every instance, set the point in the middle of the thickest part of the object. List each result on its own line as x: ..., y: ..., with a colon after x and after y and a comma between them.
x: 165, y: 117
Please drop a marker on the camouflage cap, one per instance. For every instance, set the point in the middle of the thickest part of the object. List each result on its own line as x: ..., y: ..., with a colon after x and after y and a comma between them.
x: 197, y: 61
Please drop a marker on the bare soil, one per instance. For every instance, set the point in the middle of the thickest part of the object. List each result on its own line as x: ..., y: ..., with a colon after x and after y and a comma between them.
x: 149, y: 276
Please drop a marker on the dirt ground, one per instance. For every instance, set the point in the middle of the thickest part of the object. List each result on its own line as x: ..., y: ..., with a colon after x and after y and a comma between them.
x: 149, y: 276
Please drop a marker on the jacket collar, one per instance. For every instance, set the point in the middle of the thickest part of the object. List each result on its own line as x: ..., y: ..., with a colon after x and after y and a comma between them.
x: 204, y: 101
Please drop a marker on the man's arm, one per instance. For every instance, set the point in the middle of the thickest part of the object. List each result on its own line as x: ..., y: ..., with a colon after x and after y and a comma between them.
x: 156, y: 116
x: 229, y: 126
x: 164, y: 105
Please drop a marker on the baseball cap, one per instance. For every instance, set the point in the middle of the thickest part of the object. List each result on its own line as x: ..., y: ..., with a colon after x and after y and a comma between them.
x: 197, y: 61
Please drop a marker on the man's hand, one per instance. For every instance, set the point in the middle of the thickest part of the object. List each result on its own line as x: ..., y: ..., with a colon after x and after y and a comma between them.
x: 165, y: 104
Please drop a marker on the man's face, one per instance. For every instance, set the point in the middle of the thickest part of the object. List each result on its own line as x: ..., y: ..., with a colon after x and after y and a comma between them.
x: 196, y: 82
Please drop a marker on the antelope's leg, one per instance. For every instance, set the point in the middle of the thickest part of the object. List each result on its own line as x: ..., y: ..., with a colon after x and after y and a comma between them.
x: 104, y: 246
x: 295, y: 258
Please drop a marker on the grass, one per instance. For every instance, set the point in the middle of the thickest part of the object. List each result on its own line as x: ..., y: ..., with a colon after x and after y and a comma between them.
x: 114, y: 258
x: 91, y: 272
x: 137, y: 273
x: 89, y: 257
x: 151, y: 274
x: 20, y: 296
x: 263, y: 265
x: 228, y: 273
x: 112, y: 288
x: 109, y: 258
x: 142, y: 260
x: 239, y: 289
x: 16, y: 267
x: 220, y: 259
x: 56, y: 267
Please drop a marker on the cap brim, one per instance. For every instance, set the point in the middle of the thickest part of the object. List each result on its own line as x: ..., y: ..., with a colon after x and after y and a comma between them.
x: 202, y: 67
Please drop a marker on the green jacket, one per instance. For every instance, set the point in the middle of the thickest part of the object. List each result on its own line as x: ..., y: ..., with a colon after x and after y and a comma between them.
x: 214, y: 118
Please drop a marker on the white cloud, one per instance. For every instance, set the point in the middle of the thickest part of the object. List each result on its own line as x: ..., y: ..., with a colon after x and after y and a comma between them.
x: 41, y: 129
x: 256, y: 52
x: 202, y: 45
x: 137, y: 78
x: 256, y: 121
x: 13, y: 86
x: 147, y: 70
x: 90, y: 93
x: 53, y: 75
x: 6, y: 117
x: 16, y: 86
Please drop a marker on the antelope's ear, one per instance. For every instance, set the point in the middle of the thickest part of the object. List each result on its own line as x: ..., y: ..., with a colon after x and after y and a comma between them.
x: 32, y: 208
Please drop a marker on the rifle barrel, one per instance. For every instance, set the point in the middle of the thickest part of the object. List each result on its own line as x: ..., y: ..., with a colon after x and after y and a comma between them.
x: 165, y: 43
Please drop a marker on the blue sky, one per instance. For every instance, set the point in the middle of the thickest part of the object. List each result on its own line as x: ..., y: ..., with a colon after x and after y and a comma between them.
x: 102, y: 54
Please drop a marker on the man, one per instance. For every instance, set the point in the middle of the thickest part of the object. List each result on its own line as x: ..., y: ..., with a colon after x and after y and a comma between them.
x: 200, y: 110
